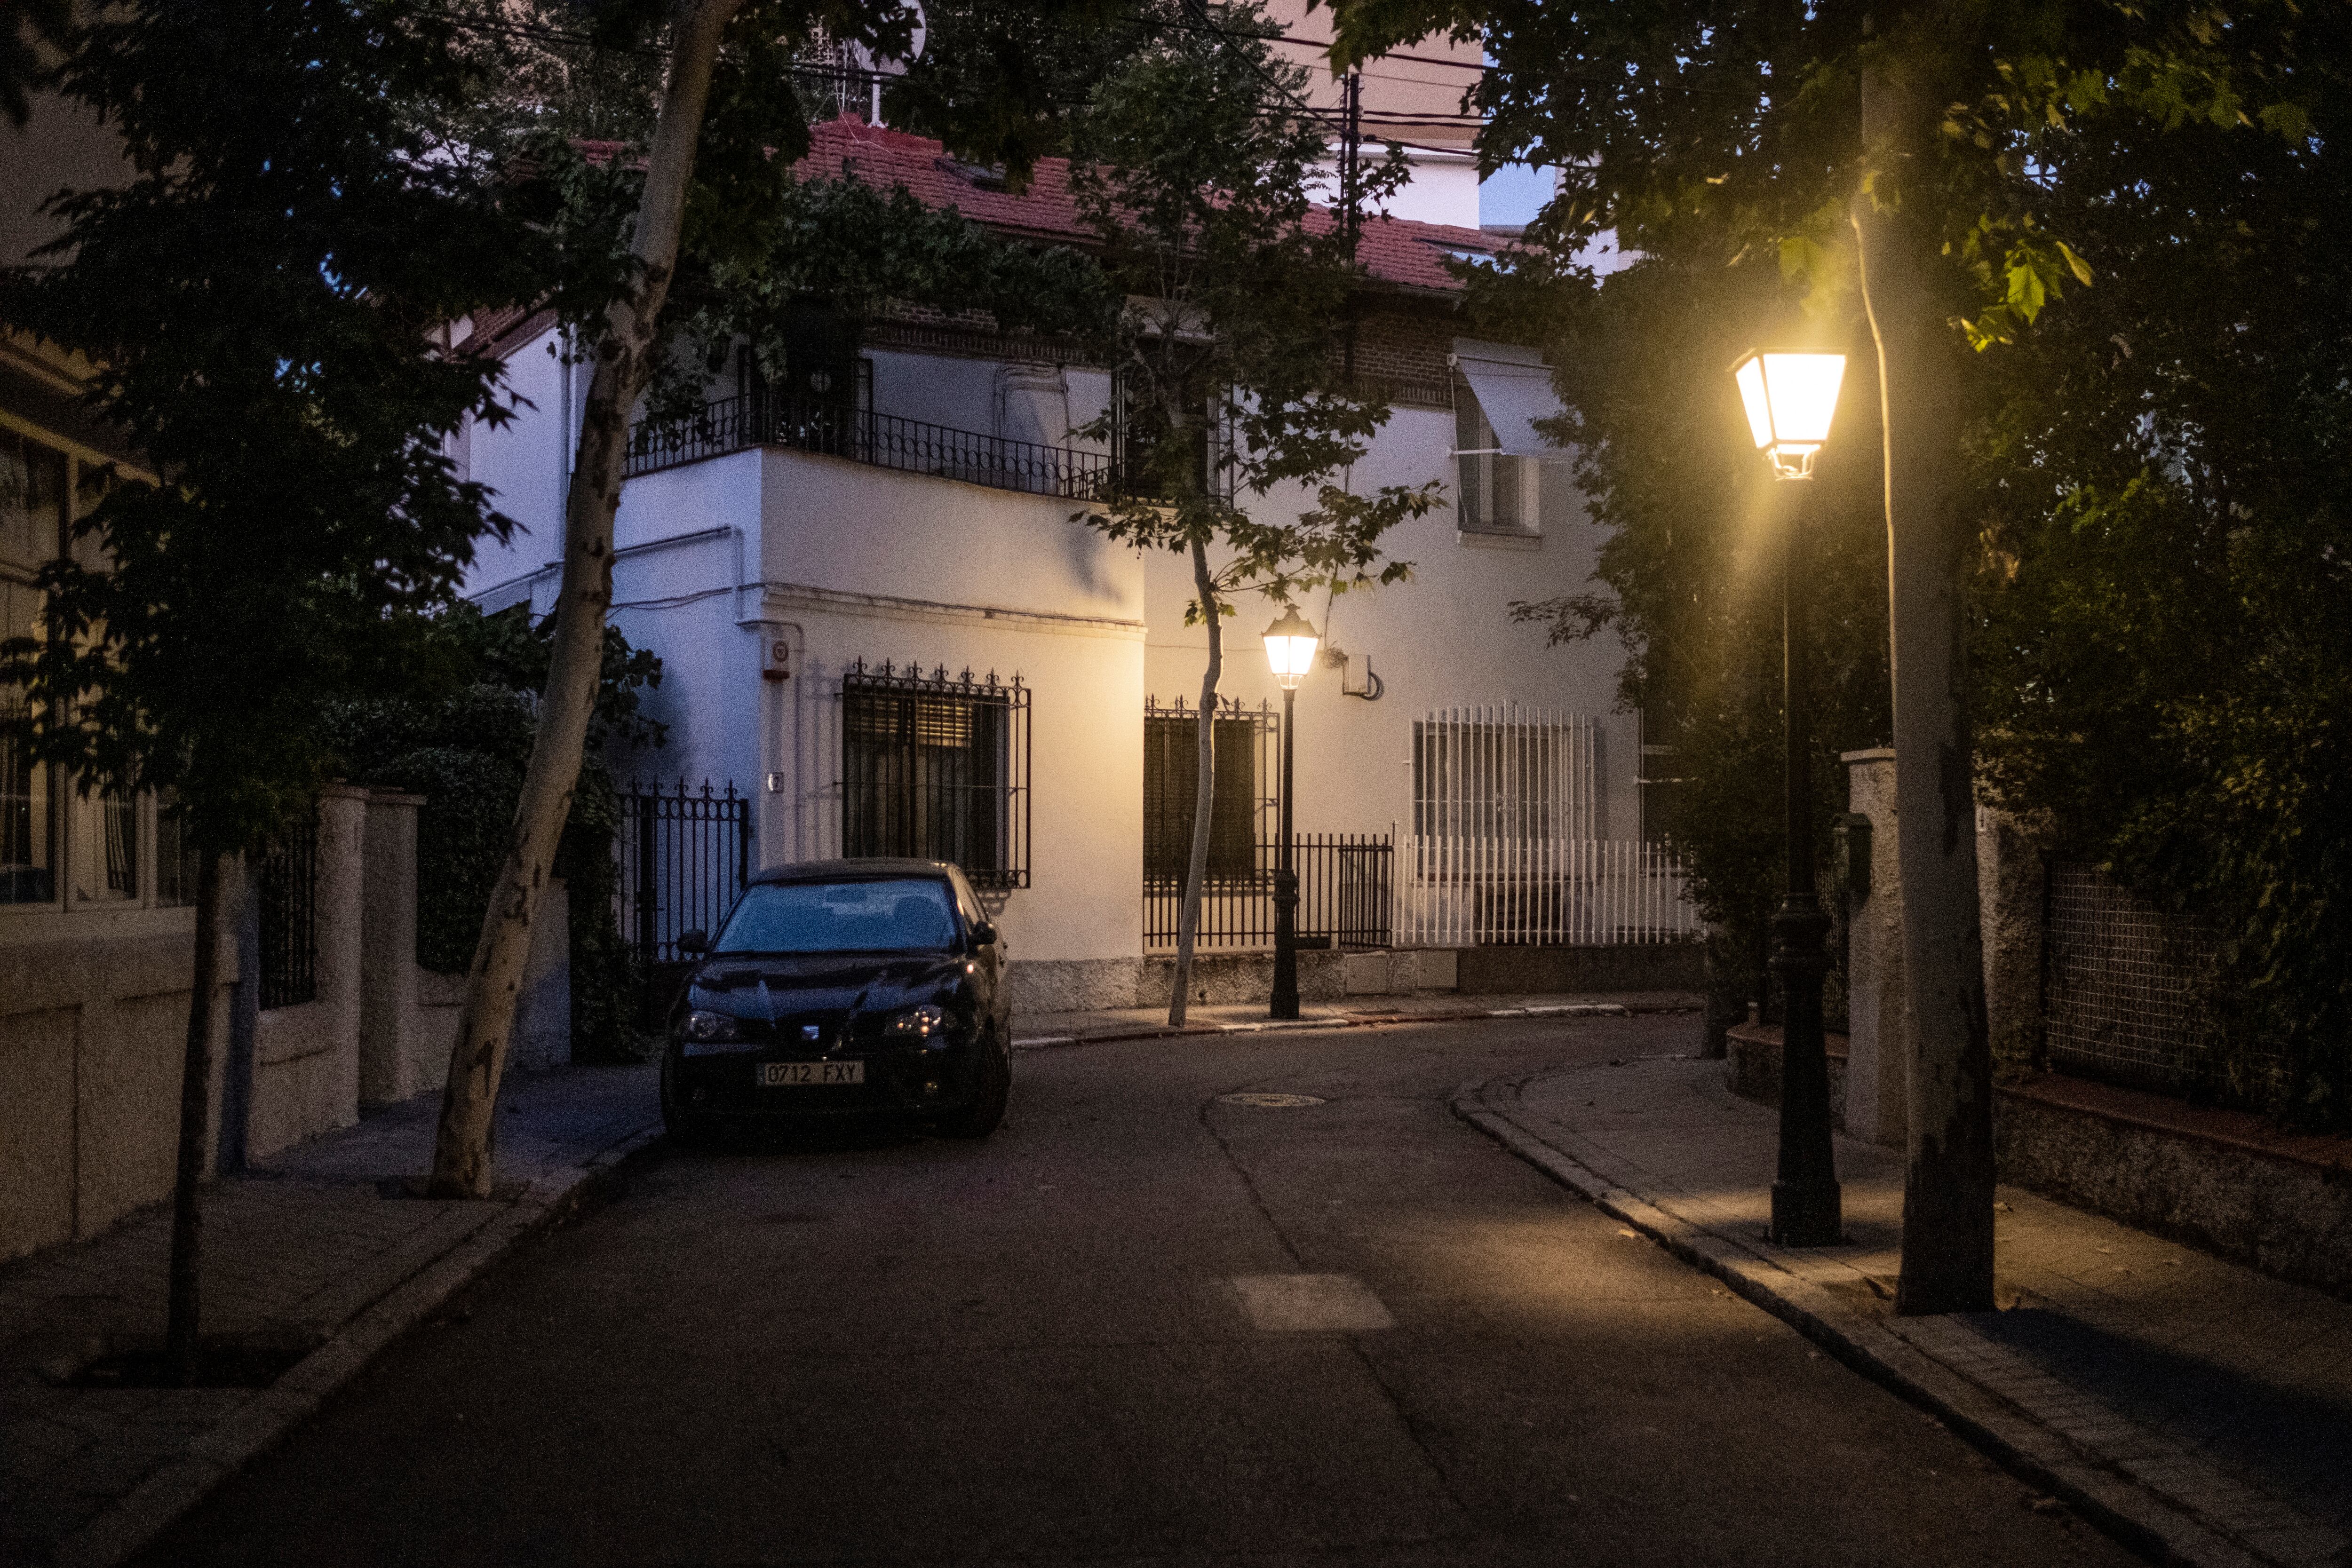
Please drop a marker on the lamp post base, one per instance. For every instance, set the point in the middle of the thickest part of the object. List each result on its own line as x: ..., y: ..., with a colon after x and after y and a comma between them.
x: 1284, y: 1001
x: 1807, y: 1214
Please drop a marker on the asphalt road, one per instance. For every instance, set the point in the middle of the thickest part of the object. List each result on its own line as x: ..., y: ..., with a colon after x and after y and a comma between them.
x: 1140, y: 1323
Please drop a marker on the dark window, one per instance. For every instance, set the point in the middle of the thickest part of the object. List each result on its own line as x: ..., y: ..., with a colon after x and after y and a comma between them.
x: 290, y: 910
x: 1139, y: 430
x: 1171, y: 790
x: 936, y: 769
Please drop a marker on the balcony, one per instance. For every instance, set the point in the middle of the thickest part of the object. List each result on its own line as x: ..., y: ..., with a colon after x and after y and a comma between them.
x: 886, y: 441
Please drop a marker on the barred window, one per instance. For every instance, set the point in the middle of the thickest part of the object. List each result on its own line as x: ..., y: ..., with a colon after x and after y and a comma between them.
x: 1171, y: 790
x: 1506, y: 772
x: 936, y: 767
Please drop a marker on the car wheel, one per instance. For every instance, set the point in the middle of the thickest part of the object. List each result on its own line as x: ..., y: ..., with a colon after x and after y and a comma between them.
x: 686, y: 1129
x: 986, y: 1111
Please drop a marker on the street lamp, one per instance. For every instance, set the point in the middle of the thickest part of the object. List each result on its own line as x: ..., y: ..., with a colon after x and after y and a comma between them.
x: 1790, y: 397
x: 1290, y: 644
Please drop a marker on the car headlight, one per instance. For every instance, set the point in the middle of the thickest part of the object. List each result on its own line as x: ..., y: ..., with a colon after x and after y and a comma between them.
x: 918, y: 1023
x: 700, y: 1028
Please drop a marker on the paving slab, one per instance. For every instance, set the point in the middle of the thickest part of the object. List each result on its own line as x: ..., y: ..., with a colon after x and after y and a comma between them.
x: 2196, y: 1408
x: 317, y: 1243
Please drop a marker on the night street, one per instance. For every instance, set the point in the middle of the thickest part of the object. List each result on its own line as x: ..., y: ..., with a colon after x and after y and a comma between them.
x: 1141, y: 1322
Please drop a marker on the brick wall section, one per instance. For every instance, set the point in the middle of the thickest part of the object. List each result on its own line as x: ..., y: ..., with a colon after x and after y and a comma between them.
x: 1408, y: 353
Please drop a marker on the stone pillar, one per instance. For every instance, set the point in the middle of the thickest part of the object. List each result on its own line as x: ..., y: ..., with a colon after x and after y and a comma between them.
x: 2011, y: 873
x: 342, y: 937
x: 1878, y: 1060
x: 389, y: 1043
x: 542, y: 1025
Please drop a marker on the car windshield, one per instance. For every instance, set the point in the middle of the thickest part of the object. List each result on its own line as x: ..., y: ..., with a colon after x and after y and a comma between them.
x: 908, y: 914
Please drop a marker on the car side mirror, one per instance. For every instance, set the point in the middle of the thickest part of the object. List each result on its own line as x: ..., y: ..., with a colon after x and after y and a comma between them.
x: 695, y: 943
x: 984, y: 933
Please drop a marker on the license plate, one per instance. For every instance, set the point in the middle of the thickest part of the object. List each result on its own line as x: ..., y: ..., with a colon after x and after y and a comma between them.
x: 791, y: 1074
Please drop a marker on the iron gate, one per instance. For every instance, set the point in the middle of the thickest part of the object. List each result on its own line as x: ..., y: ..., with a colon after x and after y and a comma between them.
x: 684, y: 857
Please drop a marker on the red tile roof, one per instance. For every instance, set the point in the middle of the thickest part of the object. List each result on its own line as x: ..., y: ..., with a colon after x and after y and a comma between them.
x: 1398, y: 251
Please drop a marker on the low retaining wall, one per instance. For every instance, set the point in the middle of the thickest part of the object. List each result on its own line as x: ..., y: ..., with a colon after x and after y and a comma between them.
x: 1079, y: 985
x: 1632, y: 967
x: 2223, y: 1181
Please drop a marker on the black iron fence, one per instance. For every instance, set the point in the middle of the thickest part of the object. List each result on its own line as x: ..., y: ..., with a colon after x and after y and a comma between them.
x: 289, y: 916
x: 887, y: 441
x: 1346, y: 897
x: 685, y: 855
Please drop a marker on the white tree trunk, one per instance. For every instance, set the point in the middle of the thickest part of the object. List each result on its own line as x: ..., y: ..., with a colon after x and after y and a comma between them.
x: 1948, y: 1196
x: 1196, y: 871
x: 624, y: 364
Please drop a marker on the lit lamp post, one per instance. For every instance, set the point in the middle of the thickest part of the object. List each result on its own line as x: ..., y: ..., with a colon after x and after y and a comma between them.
x: 1290, y: 644
x: 1790, y: 398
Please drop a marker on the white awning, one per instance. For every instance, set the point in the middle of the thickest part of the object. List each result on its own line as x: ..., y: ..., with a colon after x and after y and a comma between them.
x: 1514, y: 390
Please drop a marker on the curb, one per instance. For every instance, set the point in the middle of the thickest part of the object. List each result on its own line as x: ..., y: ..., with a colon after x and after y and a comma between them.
x: 1374, y: 1020
x: 2089, y: 1473
x: 132, y: 1523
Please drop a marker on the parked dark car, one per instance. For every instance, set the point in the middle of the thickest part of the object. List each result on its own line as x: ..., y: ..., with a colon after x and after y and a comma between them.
x: 843, y: 988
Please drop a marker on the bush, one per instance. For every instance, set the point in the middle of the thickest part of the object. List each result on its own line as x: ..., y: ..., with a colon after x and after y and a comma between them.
x: 462, y: 738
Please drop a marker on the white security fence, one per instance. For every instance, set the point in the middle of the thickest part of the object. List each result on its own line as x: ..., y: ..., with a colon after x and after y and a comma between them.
x: 1460, y: 891
x: 1506, y: 843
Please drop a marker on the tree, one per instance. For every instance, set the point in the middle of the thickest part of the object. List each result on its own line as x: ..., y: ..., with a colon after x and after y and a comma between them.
x: 2165, y: 632
x: 1897, y: 144
x: 261, y: 301
x: 1197, y: 172
x: 458, y: 732
x: 711, y: 188
x: 36, y: 25
x: 1684, y: 575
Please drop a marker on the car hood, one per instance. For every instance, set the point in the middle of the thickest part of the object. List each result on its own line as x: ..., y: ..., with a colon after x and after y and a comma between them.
x: 821, y: 987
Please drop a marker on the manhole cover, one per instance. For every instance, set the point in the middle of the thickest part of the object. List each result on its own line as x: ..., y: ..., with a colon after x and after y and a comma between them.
x: 1268, y: 1101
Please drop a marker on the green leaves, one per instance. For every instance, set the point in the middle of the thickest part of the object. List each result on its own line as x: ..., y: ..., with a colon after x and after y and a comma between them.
x: 1197, y: 173
x: 263, y: 299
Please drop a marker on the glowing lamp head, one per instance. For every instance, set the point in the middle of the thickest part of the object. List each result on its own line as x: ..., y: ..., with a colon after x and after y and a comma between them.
x: 1790, y: 397
x: 1290, y: 644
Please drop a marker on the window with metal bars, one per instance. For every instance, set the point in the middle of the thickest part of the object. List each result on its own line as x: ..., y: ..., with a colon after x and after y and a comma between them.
x: 1506, y: 773
x: 936, y: 767
x: 1171, y: 790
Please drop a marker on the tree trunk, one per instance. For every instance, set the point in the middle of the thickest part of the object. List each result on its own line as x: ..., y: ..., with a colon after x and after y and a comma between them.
x: 1948, y: 1194
x: 1196, y: 871
x: 624, y: 361
x: 183, y: 1303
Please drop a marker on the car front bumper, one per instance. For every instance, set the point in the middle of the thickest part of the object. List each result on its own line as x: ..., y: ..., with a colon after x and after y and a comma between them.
x: 899, y: 1080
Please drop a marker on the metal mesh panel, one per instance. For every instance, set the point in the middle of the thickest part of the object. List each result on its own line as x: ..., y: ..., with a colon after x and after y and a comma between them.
x: 2127, y: 994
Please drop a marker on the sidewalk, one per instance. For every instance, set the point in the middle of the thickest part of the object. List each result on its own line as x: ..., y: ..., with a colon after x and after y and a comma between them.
x: 318, y: 1247
x: 1037, y: 1030
x: 2195, y: 1408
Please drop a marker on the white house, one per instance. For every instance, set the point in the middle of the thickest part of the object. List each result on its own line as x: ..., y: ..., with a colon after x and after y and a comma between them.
x: 879, y: 621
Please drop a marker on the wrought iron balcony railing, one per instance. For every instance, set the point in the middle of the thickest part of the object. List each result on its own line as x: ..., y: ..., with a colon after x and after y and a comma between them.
x: 887, y: 441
